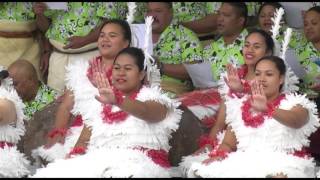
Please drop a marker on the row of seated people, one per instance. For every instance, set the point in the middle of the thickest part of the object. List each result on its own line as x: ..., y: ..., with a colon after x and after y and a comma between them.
x: 166, y: 68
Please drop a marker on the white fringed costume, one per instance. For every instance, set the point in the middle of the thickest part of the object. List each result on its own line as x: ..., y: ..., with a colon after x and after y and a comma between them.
x: 113, y: 150
x: 12, y: 162
x: 267, y: 149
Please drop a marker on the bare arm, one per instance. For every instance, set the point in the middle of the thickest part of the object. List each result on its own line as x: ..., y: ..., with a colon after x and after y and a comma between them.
x: 220, y: 123
x: 294, y: 118
x: 80, y: 41
x: 176, y: 71
x: 229, y: 142
x: 63, y: 113
x: 150, y: 111
x: 84, y: 137
x: 206, y: 24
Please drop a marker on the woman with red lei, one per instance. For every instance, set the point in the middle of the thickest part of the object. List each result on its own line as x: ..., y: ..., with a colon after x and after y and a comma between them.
x: 129, y: 125
x: 257, y: 44
x: 267, y: 131
x: 114, y: 36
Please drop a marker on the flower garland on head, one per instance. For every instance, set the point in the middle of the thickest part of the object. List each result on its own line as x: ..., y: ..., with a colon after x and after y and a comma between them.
x: 118, y: 116
x: 256, y: 120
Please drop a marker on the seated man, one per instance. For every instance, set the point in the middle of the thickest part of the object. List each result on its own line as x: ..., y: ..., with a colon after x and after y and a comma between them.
x: 173, y: 46
x: 33, y: 92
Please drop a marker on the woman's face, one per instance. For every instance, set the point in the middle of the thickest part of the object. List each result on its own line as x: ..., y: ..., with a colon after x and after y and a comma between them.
x: 312, y: 26
x: 126, y: 75
x: 111, y: 40
x: 269, y: 76
x: 254, y: 48
x: 265, y: 21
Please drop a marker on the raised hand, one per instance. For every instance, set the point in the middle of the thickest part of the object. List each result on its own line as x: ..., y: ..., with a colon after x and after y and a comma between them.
x: 233, y: 80
x: 259, y: 99
x: 106, y: 94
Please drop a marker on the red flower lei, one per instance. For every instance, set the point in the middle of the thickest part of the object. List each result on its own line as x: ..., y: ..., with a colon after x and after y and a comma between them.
x: 257, y: 120
x: 118, y: 116
x: 90, y: 71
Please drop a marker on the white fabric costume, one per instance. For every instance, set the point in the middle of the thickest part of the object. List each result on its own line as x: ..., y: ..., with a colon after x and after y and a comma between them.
x: 111, y: 151
x: 12, y: 162
x: 267, y: 149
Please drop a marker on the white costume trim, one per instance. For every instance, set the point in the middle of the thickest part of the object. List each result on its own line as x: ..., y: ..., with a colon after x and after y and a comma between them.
x: 265, y: 150
x: 111, y: 145
x: 12, y: 162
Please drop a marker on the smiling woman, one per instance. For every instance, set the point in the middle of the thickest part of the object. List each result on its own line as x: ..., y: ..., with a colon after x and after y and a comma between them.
x: 128, y: 127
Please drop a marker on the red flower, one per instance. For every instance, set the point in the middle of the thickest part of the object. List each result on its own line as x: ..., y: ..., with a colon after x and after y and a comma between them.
x: 159, y: 157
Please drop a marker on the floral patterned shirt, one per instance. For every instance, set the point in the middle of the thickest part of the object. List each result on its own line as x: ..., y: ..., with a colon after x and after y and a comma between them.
x: 45, y: 95
x: 188, y: 11
x: 220, y: 54
x: 16, y: 11
x: 177, y: 44
x: 309, y: 58
x: 182, y: 11
x: 253, y: 7
x: 81, y: 18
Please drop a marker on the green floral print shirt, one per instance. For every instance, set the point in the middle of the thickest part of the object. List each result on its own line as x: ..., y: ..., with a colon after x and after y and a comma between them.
x: 220, y: 55
x: 45, y: 95
x: 16, y: 11
x: 81, y: 18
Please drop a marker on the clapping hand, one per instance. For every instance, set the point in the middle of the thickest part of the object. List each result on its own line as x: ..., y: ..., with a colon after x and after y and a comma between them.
x: 106, y: 94
x: 233, y: 80
x: 259, y: 99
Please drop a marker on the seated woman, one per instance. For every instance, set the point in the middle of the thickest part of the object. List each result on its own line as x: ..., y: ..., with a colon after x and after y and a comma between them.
x: 257, y: 44
x: 13, y: 163
x: 128, y: 125
x: 267, y: 131
x: 115, y: 35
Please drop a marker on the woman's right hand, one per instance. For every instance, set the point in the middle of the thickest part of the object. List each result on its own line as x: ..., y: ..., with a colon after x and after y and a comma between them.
x: 233, y: 80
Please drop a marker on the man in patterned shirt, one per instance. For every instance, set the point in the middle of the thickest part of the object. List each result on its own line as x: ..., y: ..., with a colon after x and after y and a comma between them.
x: 173, y: 45
x: 35, y: 94
x: 73, y: 33
x: 18, y: 34
x: 227, y: 49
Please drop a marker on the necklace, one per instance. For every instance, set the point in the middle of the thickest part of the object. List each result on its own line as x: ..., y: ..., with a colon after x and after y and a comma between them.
x: 110, y: 117
x: 258, y: 119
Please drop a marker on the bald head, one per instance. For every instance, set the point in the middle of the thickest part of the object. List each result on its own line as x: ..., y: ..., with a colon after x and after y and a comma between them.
x: 25, y: 79
x: 8, y: 112
x: 23, y: 68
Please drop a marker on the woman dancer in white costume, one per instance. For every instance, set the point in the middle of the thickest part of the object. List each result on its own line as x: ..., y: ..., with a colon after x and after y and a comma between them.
x: 130, y: 126
x: 267, y: 131
x: 13, y: 163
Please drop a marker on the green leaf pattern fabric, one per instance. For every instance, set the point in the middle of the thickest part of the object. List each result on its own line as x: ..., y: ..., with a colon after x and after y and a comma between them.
x: 45, y: 95
x: 16, y: 11
x: 220, y: 55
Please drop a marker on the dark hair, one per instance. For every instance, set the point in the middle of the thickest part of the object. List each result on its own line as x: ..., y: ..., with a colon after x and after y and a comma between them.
x: 169, y: 4
x: 315, y: 8
x: 279, y: 62
x: 267, y: 39
x: 136, y: 53
x: 241, y: 9
x: 124, y: 26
